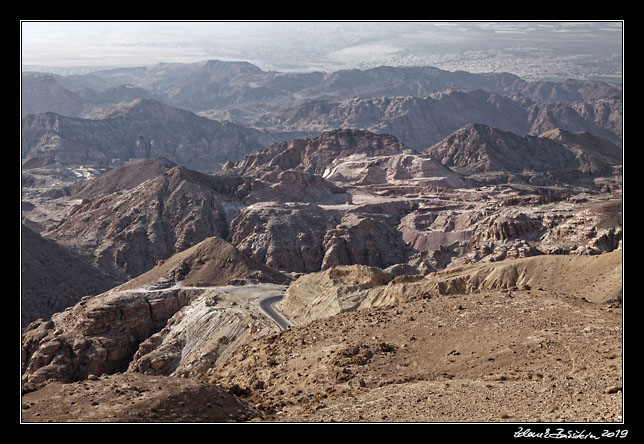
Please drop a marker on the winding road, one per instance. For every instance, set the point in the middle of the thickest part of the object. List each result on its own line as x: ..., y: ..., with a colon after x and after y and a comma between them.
x: 265, y: 303
x: 266, y: 306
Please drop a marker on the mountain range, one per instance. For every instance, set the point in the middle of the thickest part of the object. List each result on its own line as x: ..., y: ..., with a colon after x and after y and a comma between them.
x: 438, y: 245
x: 140, y: 129
x: 419, y: 122
x: 109, y: 117
x: 220, y: 85
x: 290, y: 206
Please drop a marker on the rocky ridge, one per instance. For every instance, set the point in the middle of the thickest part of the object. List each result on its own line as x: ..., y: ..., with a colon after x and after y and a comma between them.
x: 468, y: 344
x: 346, y: 288
x: 41, y: 93
x: 556, y: 156
x: 316, y: 154
x: 242, y: 89
x: 130, y: 231
x: 143, y: 128
x: 420, y: 122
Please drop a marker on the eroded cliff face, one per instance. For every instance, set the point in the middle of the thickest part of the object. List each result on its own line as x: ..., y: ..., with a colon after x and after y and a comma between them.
x: 98, y: 335
x: 284, y: 236
x: 303, y: 237
x: 332, y: 291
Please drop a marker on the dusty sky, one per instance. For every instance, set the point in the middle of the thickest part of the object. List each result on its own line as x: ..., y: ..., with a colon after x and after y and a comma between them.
x: 310, y: 45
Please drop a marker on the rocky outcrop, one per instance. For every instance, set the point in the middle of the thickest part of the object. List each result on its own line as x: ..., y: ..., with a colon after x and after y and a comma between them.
x: 317, y: 154
x: 207, y: 330
x: 436, y: 233
x: 339, y: 289
x: 397, y: 169
x: 365, y: 239
x: 294, y: 186
x: 592, y: 230
x: 98, y: 335
x: 518, y: 226
x: 283, y: 236
x: 163, y: 352
x: 329, y: 292
x: 346, y: 158
x: 302, y: 238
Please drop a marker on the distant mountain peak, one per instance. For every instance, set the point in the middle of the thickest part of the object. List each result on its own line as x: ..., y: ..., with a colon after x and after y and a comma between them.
x: 231, y: 67
x: 477, y: 148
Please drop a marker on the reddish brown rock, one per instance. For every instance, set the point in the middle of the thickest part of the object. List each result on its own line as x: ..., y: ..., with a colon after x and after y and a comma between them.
x: 129, y: 232
x: 283, y: 236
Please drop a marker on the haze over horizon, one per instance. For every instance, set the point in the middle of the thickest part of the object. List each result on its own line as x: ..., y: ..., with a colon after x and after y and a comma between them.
x: 533, y: 50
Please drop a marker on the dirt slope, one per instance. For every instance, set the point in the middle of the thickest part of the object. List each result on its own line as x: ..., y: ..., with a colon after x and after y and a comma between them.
x: 500, y: 353
x: 133, y: 398
x: 525, y: 344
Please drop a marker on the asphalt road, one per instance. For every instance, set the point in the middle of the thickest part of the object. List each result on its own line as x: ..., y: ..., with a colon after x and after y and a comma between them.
x: 266, y: 306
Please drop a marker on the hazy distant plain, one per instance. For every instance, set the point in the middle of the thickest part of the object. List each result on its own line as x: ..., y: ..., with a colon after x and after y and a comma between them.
x: 529, y: 49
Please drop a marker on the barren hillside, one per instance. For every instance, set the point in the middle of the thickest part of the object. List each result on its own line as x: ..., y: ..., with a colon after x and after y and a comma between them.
x: 516, y: 347
x: 503, y: 342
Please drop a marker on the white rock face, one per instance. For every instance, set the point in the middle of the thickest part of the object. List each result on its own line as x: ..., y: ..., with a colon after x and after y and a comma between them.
x: 205, y: 330
x: 361, y: 169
